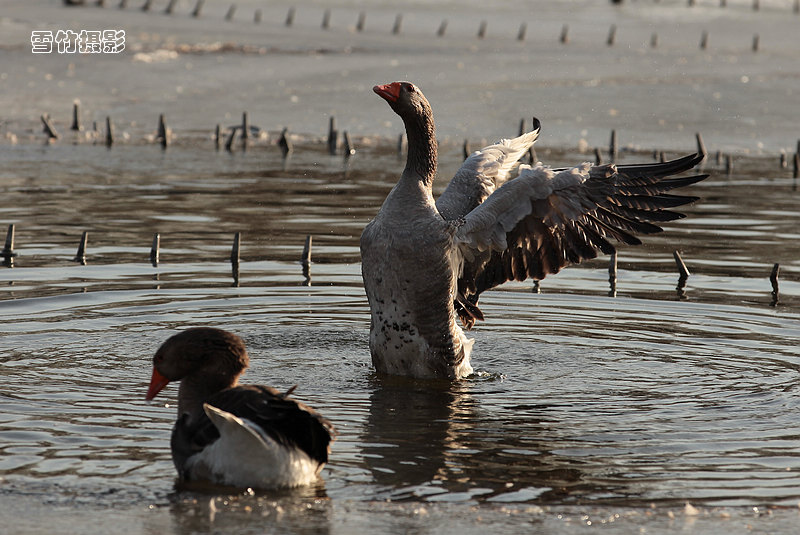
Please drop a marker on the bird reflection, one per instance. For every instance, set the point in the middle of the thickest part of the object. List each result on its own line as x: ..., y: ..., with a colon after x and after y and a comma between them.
x: 428, y: 438
x: 411, y: 428
x: 301, y: 510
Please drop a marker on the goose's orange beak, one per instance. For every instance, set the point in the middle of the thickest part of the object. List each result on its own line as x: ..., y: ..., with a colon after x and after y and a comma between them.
x: 157, y: 383
x: 389, y: 92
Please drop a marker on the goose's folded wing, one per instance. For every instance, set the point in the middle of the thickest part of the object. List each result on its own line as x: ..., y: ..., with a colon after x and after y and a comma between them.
x: 283, y: 419
x: 482, y: 173
x: 546, y: 219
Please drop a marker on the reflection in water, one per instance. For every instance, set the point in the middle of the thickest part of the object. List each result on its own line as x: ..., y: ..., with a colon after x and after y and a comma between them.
x: 431, y: 440
x: 306, y: 510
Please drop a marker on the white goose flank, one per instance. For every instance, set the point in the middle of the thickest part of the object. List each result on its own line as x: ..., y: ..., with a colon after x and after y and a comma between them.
x: 425, y: 263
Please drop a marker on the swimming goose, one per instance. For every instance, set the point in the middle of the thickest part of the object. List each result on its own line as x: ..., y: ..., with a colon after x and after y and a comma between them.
x: 236, y: 435
x: 425, y: 263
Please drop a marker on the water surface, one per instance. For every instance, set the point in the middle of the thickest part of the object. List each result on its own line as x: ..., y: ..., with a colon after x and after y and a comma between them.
x: 585, y: 407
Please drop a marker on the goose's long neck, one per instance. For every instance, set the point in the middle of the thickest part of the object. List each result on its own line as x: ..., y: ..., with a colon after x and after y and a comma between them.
x: 422, y: 150
x: 195, y: 389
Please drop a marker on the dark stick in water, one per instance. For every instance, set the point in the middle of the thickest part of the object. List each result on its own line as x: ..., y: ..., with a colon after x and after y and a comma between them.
x: 198, y: 8
x: 49, y: 128
x: 76, y: 117
x: 162, y: 135
x: 237, y: 243
x: 109, y: 132
x: 773, y: 278
x: 154, y: 249
x: 612, y: 275
x: 80, y: 257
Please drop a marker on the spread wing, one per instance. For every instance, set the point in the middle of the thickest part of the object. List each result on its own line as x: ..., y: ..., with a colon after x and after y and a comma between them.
x: 285, y: 420
x: 482, y: 173
x: 546, y: 219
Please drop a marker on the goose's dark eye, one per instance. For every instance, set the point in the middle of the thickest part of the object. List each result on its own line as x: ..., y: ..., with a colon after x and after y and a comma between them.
x: 410, y: 88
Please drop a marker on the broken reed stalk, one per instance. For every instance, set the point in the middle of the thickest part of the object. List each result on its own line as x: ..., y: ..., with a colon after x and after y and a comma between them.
x: 598, y: 157
x: 564, y: 38
x: 401, y: 141
x: 198, y: 8
x: 147, y: 5
x: 612, y: 148
x: 170, y: 7
x: 49, y: 129
x: 349, y: 150
x: 442, y: 28
x: 612, y: 35
x: 773, y: 278
x: 154, y: 249
x: 398, y: 24
x: 8, y: 253
x: 612, y: 275
x: 465, y: 149
x: 229, y: 142
x: 109, y: 132
x: 162, y: 135
x: 217, y: 137
x: 231, y: 12
x: 326, y: 19
x: 701, y: 147
x: 289, y: 17
x: 482, y: 29
x: 235, y: 259
x: 80, y: 256
x: 245, y: 127
x: 305, y: 260
x: 682, y: 269
x: 285, y: 143
x: 362, y: 19
x: 76, y: 117
x: 684, y: 275
x: 333, y: 136
x: 523, y: 29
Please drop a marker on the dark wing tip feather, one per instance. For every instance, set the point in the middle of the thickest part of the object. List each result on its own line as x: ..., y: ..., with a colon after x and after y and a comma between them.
x: 660, y: 169
x: 573, y: 224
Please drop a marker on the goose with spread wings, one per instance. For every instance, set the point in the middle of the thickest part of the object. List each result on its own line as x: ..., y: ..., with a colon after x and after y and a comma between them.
x: 425, y: 263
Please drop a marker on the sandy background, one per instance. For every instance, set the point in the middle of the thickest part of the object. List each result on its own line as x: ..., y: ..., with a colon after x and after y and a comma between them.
x: 207, y: 70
